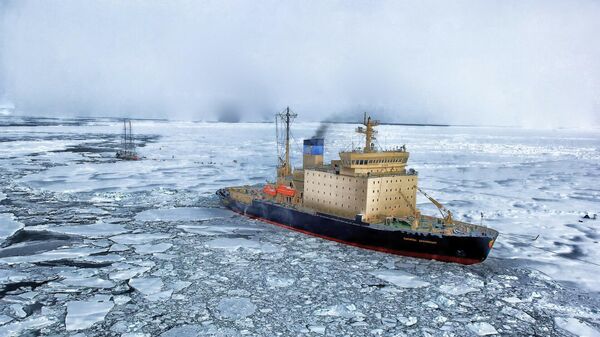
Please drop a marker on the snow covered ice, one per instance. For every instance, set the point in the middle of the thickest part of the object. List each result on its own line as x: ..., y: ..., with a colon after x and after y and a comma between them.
x: 92, y: 246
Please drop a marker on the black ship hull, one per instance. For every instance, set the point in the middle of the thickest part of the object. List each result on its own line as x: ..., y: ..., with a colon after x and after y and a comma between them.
x: 447, y: 248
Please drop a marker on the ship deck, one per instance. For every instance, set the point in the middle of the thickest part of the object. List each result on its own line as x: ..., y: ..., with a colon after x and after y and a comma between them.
x: 427, y: 224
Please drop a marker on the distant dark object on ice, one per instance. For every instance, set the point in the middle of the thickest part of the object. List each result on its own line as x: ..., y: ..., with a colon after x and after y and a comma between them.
x: 127, y: 151
x: 588, y: 217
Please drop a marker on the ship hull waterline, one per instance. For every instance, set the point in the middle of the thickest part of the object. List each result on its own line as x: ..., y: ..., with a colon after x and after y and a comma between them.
x: 459, y: 249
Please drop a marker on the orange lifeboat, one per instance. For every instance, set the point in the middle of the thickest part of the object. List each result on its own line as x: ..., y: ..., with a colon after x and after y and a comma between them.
x: 287, y: 191
x: 270, y: 190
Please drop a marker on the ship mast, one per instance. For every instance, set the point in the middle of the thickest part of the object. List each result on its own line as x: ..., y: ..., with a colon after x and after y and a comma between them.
x: 369, y: 133
x: 285, y: 117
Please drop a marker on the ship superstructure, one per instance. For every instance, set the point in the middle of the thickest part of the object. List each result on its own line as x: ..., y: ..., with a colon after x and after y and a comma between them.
x: 367, y: 197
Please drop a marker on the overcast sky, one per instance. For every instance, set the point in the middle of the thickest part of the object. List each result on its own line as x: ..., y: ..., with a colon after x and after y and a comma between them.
x: 529, y: 63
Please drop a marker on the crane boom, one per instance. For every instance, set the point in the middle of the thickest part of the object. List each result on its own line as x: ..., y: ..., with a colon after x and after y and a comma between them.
x: 446, y: 214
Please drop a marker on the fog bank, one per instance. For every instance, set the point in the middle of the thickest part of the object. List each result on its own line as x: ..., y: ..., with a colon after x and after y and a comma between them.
x: 528, y: 63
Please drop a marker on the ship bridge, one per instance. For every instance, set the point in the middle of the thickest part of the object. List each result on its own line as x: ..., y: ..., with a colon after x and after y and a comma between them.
x: 367, y: 183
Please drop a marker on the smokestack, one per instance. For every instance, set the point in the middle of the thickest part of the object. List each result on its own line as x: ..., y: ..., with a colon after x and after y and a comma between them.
x: 313, y: 152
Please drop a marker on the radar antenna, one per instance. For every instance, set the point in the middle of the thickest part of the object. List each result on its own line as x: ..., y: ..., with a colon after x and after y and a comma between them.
x: 369, y: 132
x: 282, y: 122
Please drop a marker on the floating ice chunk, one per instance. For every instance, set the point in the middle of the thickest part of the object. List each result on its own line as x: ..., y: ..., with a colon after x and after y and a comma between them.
x: 147, y: 285
x: 97, y: 230
x: 2, y: 196
x: 482, y: 328
x: 8, y: 225
x: 456, y: 289
x: 576, y: 327
x: 18, y: 311
x: 17, y: 327
x: 408, y: 321
x: 118, y: 248
x: 180, y: 285
x: 512, y: 300
x: 235, y: 307
x: 53, y: 255
x: 431, y: 304
x: 183, y: 214
x: 233, y: 244
x: 137, y: 239
x: 150, y: 248
x: 126, y: 274
x: 121, y: 299
x: 88, y: 282
x: 83, y: 314
x: 12, y: 276
x: 279, y: 282
x: 135, y: 334
x: 160, y: 296
x: 219, y: 229
x: 400, y: 278
x: 5, y: 319
x: 340, y: 310
x: 320, y: 329
x: 516, y: 313
x: 184, y: 331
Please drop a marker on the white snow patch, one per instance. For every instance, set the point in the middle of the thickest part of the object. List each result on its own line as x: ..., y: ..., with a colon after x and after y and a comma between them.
x: 83, y: 314
x: 576, y: 327
x: 482, y: 328
x: 183, y: 214
x: 235, y: 307
x: 400, y: 278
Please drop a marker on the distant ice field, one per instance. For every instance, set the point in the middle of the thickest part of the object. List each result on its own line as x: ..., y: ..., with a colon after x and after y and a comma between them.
x: 99, y: 237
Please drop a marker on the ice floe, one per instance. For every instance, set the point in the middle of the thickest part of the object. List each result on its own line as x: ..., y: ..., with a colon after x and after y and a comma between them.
x: 127, y: 272
x: 400, y: 278
x: 150, y: 248
x: 233, y: 244
x: 16, y: 328
x: 482, y: 328
x: 137, y: 239
x: 8, y: 226
x: 576, y: 327
x: 147, y: 285
x: 214, y: 229
x: 97, y: 230
x: 340, y: 310
x: 183, y: 214
x: 235, y: 307
x: 53, y: 255
x: 83, y: 314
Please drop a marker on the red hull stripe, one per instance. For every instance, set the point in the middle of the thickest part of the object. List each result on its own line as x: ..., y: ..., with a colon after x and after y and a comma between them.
x: 443, y: 258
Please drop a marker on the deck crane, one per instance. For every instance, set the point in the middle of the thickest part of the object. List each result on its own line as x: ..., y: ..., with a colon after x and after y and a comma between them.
x: 446, y: 214
x: 415, y: 211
